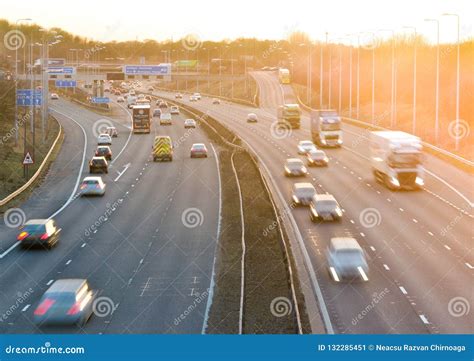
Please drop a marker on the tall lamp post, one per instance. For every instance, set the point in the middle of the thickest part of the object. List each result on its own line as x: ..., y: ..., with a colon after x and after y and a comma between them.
x: 456, y: 138
x: 437, y: 81
x: 392, y: 101
x: 413, y: 130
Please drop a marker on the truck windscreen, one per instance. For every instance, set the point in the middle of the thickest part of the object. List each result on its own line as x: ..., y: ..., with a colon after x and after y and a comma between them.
x: 407, y: 160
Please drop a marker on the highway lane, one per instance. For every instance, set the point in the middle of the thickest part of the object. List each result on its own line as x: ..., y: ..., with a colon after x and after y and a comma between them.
x: 416, y: 260
x: 127, y: 244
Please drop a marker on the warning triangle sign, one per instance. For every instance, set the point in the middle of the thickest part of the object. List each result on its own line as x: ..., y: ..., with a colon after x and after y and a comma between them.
x: 28, y: 159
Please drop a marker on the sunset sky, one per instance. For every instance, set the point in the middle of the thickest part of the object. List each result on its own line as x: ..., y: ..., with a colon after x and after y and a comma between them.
x: 146, y: 19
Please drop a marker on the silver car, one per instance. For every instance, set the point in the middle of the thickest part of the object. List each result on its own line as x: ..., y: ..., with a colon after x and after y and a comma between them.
x: 324, y: 207
x: 303, y: 193
x: 92, y: 186
x: 317, y: 158
x: 294, y: 167
x: 305, y: 146
x: 346, y: 259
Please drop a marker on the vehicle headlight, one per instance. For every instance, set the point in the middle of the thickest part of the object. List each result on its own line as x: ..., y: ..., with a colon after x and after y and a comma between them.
x: 287, y: 170
x: 323, y: 141
x: 339, y: 141
x: 395, y: 181
x: 419, y: 181
x: 338, y: 212
x: 295, y: 198
x: 326, y: 159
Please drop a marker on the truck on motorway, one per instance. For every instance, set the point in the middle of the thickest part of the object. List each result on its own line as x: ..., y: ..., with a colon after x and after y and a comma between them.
x: 397, y: 160
x: 326, y: 128
x: 162, y: 148
x: 141, y: 117
x: 289, y: 114
x: 131, y: 101
x: 284, y: 76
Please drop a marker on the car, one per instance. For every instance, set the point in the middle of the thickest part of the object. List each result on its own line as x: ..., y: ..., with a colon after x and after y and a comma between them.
x: 141, y: 96
x: 192, y: 98
x: 68, y: 301
x: 98, y: 164
x: 178, y: 96
x: 112, y: 131
x: 303, y: 194
x: 174, y: 109
x: 41, y: 232
x: 117, y: 92
x: 305, y: 146
x: 151, y: 89
x: 346, y: 259
x: 163, y: 105
x: 106, y: 90
x: 165, y: 119
x: 189, y: 123
x: 131, y: 92
x: 216, y: 101
x: 120, y: 99
x: 317, y: 158
x: 157, y: 112
x: 294, y: 167
x: 252, y: 118
x: 104, y: 151
x: 158, y: 102
x: 197, y: 96
x: 266, y: 68
x: 324, y: 207
x: 198, y: 150
x: 104, y: 139
x: 92, y: 186
x: 54, y: 96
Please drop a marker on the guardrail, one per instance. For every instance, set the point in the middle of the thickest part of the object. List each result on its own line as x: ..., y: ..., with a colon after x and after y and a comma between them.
x: 37, y: 173
x: 437, y: 151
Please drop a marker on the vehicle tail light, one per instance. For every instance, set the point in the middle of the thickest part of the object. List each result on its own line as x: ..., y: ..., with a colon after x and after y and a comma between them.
x: 44, y: 307
x: 44, y: 237
x: 22, y: 236
x: 75, y: 309
x: 97, y: 186
x: 83, y: 186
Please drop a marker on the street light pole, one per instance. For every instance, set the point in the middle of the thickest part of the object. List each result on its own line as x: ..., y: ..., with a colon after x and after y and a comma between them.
x: 392, y: 101
x: 456, y: 138
x: 414, y: 77
x: 358, y: 75
x: 437, y: 81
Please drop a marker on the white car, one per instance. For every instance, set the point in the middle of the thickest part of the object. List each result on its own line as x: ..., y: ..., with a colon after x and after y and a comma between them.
x: 120, y: 100
x: 54, y: 96
x: 252, y: 118
x: 104, y: 139
x: 294, y: 167
x: 189, y: 123
x: 192, y: 98
x: 198, y: 150
x: 92, y: 186
x: 303, y: 194
x: 306, y: 146
x: 346, y: 259
x: 174, y: 109
x: 216, y: 101
x: 151, y: 89
x: 197, y: 96
x: 112, y: 131
x: 317, y: 158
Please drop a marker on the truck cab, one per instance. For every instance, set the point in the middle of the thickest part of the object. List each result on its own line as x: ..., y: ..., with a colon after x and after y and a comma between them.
x: 326, y: 128
x: 289, y: 114
x: 397, y: 160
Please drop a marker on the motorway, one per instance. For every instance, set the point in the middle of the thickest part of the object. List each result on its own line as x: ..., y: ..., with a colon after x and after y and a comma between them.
x: 147, y: 246
x: 419, y: 244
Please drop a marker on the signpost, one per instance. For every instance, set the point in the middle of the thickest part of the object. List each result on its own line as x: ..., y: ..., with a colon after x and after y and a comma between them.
x: 26, y: 162
x: 65, y: 83
x: 26, y: 97
x: 100, y: 100
x: 147, y: 70
x: 55, y: 70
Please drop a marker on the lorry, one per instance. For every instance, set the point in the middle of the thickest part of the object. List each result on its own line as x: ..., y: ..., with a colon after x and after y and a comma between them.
x: 289, y: 114
x: 141, y: 118
x: 397, y: 160
x: 326, y: 128
x: 131, y: 101
x: 162, y: 148
x: 284, y: 76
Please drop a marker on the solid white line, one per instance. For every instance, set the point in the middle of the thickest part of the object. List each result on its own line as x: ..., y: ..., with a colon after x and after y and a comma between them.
x: 49, y: 282
x: 334, y: 274
x: 424, y: 319
x: 451, y: 187
x: 362, y: 273
x: 218, y: 232
x: 404, y: 291
x: 25, y: 308
x: 68, y: 262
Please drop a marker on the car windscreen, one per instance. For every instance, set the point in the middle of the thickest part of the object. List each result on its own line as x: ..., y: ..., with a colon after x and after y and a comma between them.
x: 326, y: 206
x: 294, y: 165
x: 34, y: 228
x: 350, y: 257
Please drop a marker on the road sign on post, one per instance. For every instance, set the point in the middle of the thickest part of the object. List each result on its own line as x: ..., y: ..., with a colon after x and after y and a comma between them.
x: 28, y: 159
x: 147, y: 69
x: 55, y: 70
x: 65, y: 83
x: 100, y: 100
x: 26, y: 97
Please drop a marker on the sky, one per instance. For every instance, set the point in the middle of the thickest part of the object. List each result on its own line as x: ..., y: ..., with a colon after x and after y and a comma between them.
x: 106, y: 20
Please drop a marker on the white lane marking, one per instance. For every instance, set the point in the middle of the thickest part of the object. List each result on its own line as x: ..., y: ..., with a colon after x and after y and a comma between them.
x: 414, y: 220
x: 404, y: 291
x: 68, y: 262
x: 447, y: 247
x: 469, y: 265
x: 386, y: 267
x: 401, y: 209
x: 389, y: 200
x: 424, y: 319
x: 126, y: 166
x: 25, y: 308
x: 430, y: 233
x: 212, y: 283
x: 49, y: 282
x: 372, y: 248
x: 83, y: 245
x: 362, y: 274
x: 352, y: 221
x: 471, y: 204
x: 362, y: 234
x: 335, y: 277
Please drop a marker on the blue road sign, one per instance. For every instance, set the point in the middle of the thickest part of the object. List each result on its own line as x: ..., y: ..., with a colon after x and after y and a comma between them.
x: 146, y: 70
x: 52, y: 70
x: 66, y: 83
x: 26, y: 97
x: 100, y: 100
